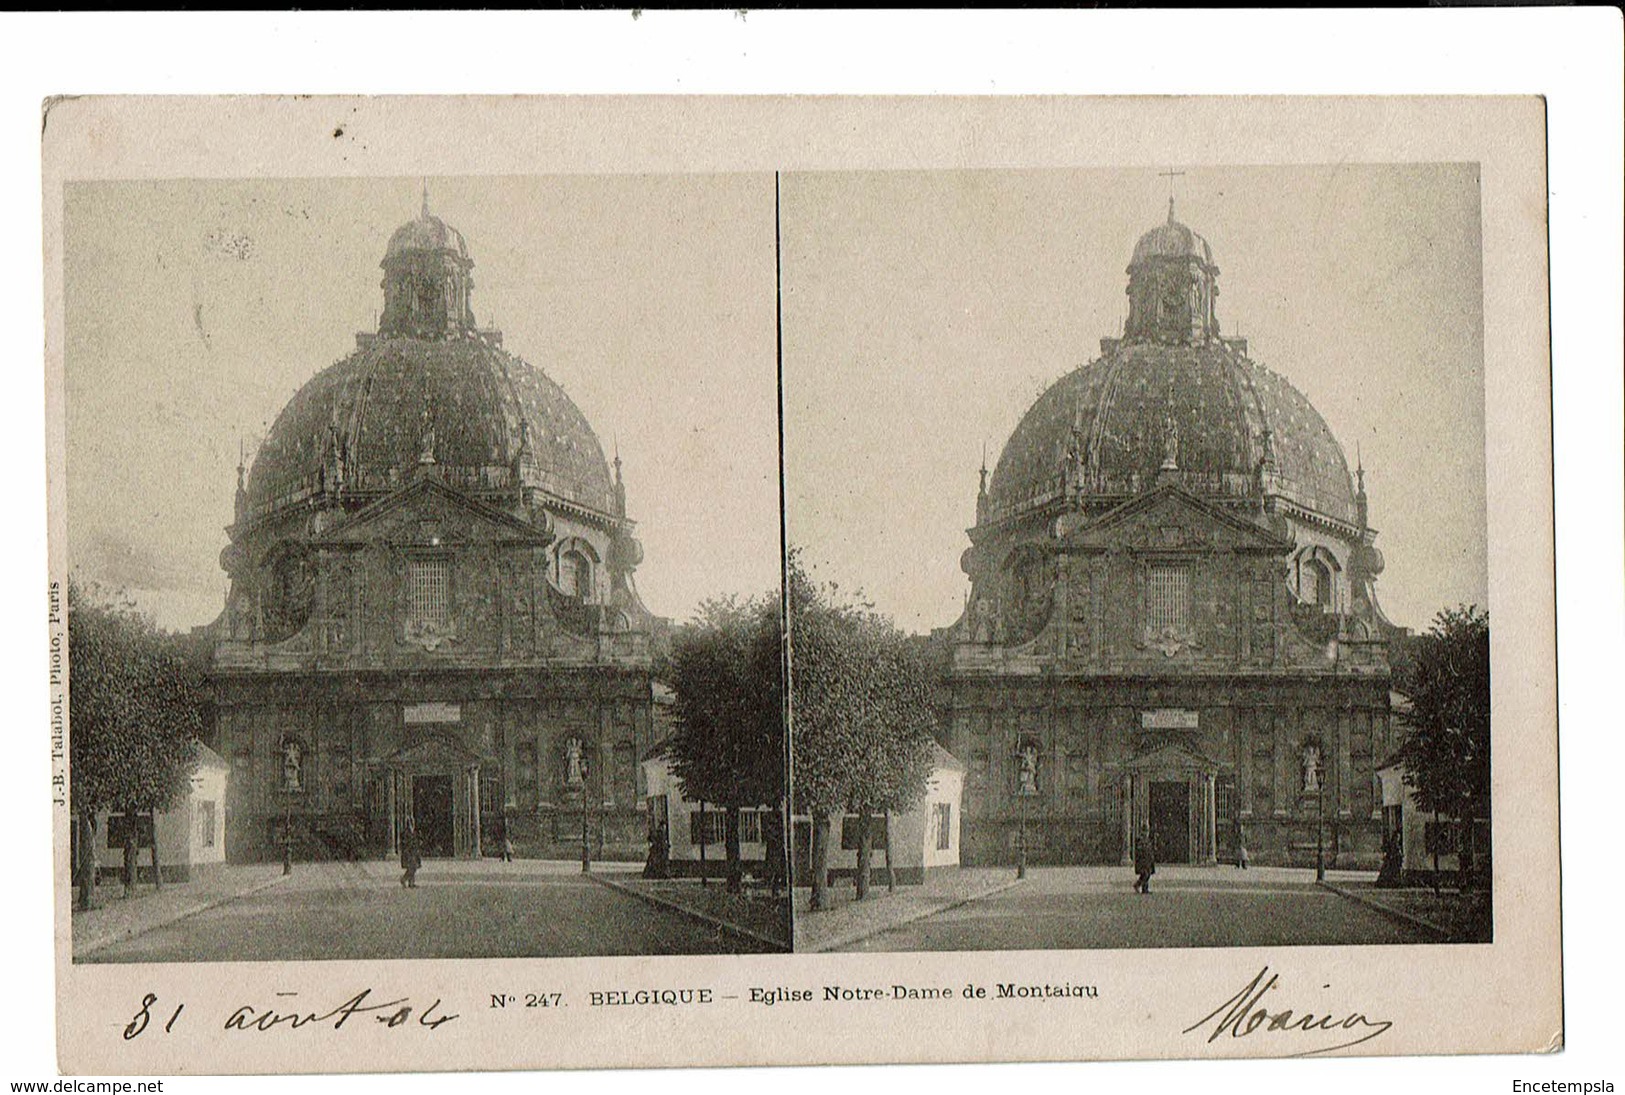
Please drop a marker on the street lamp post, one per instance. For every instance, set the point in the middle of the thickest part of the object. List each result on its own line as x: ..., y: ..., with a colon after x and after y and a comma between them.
x: 1320, y: 835
x: 1021, y: 836
x: 287, y: 835
x: 586, y: 851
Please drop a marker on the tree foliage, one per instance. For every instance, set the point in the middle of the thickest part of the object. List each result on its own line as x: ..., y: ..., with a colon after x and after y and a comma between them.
x: 726, y: 671
x: 135, y: 704
x: 1446, y: 751
x: 862, y: 713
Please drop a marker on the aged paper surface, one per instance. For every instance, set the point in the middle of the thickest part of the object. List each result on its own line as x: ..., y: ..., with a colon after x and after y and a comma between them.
x: 587, y: 158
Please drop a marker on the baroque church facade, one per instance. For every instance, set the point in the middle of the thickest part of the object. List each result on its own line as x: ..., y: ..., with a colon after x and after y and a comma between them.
x: 1172, y: 627
x: 432, y: 619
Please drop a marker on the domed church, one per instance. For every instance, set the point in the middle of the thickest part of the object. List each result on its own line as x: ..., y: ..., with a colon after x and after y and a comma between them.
x: 432, y: 621
x: 1172, y: 627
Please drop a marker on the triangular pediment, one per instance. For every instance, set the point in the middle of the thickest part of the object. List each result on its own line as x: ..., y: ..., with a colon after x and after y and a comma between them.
x: 433, y: 751
x: 1173, y: 756
x: 1169, y: 518
x: 429, y: 513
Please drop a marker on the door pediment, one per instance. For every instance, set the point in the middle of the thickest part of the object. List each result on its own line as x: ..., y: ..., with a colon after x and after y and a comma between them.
x: 1173, y: 758
x: 434, y: 752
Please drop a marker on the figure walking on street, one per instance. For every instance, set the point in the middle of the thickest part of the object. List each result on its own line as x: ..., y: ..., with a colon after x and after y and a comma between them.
x: 1145, y: 860
x: 411, y: 858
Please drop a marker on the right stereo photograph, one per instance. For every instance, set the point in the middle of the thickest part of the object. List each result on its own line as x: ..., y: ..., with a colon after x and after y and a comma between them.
x: 1136, y: 536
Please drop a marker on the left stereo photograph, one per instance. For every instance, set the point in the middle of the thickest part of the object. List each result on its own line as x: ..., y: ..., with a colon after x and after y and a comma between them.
x: 423, y: 568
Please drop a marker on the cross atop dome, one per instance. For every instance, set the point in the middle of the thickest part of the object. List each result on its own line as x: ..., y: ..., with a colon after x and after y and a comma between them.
x: 1171, y: 175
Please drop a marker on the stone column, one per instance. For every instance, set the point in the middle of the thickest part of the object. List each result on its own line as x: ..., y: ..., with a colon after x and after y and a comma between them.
x: 1128, y: 818
x: 1244, y: 721
x: 1344, y: 805
x: 1212, y: 818
x: 390, y: 778
x: 1284, y: 791
x: 1377, y: 740
x: 474, y: 808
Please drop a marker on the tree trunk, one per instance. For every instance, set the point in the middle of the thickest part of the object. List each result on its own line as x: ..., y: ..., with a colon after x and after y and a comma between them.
x: 1467, y: 851
x: 1438, y: 836
x: 730, y: 844
x: 86, y: 825
x: 865, y: 855
x: 157, y: 876
x: 703, y: 880
x: 820, y: 860
x: 885, y: 834
x: 131, y: 844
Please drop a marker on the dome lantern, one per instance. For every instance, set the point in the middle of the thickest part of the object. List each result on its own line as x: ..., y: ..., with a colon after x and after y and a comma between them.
x: 426, y: 280
x: 1172, y: 286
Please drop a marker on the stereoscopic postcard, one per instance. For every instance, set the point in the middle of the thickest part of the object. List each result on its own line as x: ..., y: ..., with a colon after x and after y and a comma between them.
x: 558, y: 583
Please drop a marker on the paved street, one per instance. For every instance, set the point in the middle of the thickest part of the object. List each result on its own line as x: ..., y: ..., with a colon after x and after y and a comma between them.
x: 461, y: 909
x: 1080, y: 908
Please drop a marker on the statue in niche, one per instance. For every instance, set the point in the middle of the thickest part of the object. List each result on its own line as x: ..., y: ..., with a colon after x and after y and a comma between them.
x: 292, y: 766
x: 1027, y: 769
x: 573, y: 770
x: 1311, y: 769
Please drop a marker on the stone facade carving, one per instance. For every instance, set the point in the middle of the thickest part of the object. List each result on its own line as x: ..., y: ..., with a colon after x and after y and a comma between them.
x: 390, y: 554
x: 1193, y: 477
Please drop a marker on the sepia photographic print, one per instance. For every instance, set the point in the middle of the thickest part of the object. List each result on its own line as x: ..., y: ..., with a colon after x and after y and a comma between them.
x: 1161, y: 702
x: 362, y: 655
x: 595, y: 582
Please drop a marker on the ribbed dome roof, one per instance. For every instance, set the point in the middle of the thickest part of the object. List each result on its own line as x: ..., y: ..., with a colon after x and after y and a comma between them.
x: 1171, y: 240
x: 382, y: 401
x: 426, y: 233
x: 1113, y: 414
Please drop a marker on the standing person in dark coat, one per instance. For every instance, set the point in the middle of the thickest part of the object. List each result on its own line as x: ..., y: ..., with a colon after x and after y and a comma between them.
x: 1145, y: 860
x: 411, y: 858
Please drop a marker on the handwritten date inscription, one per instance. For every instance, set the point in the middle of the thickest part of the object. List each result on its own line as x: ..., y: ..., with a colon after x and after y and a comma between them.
x: 254, y: 1017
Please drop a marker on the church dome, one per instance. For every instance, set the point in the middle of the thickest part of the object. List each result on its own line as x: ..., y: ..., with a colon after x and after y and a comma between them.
x: 429, y: 388
x: 1171, y: 240
x: 466, y: 403
x: 427, y: 233
x: 1105, y: 429
x: 1111, y: 417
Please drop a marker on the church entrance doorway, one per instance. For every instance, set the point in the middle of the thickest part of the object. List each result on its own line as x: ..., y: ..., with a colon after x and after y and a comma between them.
x: 1170, y: 821
x: 432, y: 814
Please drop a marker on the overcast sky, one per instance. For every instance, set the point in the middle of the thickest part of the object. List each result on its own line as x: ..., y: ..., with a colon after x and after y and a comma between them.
x: 925, y: 312
x: 196, y: 309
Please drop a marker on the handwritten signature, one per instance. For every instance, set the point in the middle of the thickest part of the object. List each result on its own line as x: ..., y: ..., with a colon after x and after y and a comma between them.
x: 1244, y: 1014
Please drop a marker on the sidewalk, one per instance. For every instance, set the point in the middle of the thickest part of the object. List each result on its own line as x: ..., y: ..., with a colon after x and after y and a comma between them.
x: 117, y: 918
x: 754, y: 913
x: 1450, y: 917
x: 846, y: 921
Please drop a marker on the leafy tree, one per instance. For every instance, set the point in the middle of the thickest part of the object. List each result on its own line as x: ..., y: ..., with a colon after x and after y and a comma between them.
x: 135, y: 703
x: 726, y: 669
x: 861, y: 717
x: 1446, y: 753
